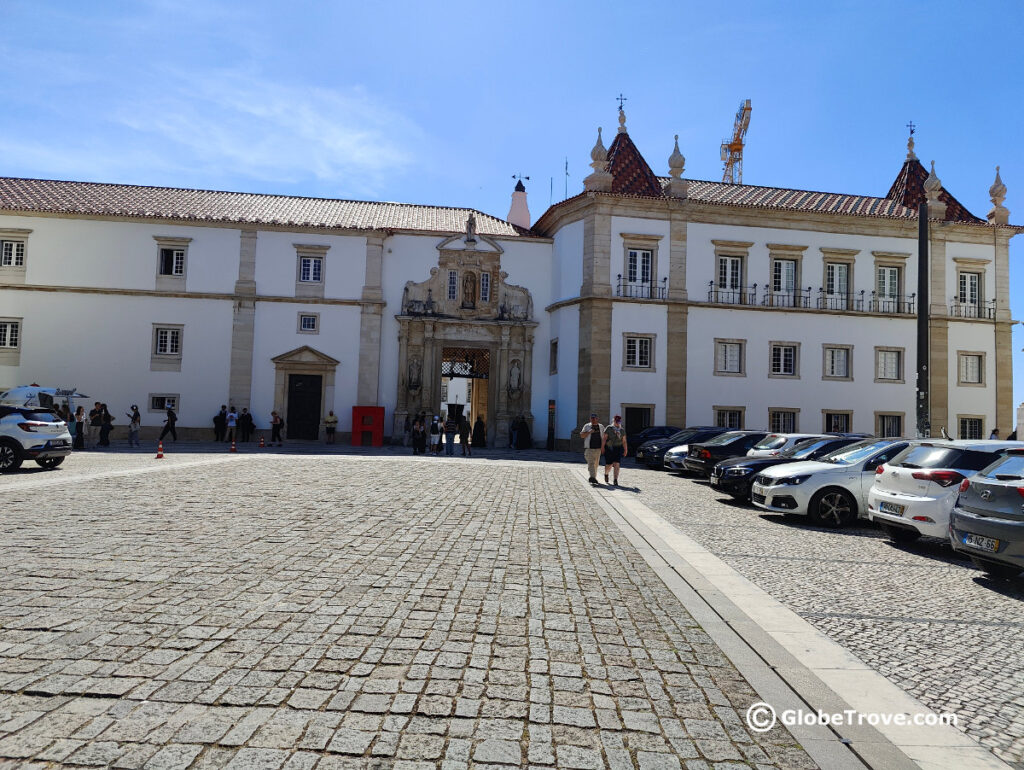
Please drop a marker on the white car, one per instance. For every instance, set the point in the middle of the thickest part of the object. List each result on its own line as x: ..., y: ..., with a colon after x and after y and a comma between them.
x: 913, y: 494
x: 28, y: 433
x: 775, y: 444
x: 832, y: 493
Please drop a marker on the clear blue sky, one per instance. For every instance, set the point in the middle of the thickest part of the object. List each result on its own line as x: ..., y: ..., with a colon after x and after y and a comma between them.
x: 443, y: 102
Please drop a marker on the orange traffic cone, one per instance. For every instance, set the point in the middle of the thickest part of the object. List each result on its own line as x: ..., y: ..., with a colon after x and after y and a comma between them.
x: 160, y: 451
x: 233, y: 448
x: 263, y: 444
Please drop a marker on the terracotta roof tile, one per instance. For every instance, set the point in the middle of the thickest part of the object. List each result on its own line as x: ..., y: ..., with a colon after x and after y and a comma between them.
x: 44, y: 195
x: 630, y: 173
x: 908, y: 189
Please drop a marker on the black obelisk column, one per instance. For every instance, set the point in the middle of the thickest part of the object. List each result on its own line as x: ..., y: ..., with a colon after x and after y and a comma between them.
x: 923, y: 349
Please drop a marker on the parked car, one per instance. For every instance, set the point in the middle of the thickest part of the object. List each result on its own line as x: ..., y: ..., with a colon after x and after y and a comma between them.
x: 832, y: 491
x: 734, y: 476
x: 775, y: 443
x: 32, y: 434
x: 652, y: 433
x: 914, y: 493
x: 987, y: 522
x: 703, y: 457
x: 652, y: 453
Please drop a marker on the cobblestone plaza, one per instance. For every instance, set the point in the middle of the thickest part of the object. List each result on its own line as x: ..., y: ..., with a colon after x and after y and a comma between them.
x: 338, y: 610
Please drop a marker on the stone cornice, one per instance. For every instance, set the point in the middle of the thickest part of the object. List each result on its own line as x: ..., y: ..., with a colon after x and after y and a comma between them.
x: 198, y: 295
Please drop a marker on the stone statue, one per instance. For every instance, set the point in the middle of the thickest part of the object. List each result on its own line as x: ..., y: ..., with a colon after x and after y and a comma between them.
x: 415, y: 380
x: 517, y: 301
x: 471, y: 228
x: 515, y: 377
x: 469, y: 290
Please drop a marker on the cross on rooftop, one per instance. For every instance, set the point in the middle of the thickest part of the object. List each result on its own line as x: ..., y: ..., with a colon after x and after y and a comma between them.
x: 911, y: 126
x: 520, y: 177
x: 621, y: 99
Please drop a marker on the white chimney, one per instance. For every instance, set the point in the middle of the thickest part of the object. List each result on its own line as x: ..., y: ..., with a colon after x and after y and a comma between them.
x: 519, y: 213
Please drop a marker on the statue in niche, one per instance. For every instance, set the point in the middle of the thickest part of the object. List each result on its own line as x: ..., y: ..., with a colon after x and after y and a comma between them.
x: 469, y: 290
x: 515, y: 378
x: 415, y: 378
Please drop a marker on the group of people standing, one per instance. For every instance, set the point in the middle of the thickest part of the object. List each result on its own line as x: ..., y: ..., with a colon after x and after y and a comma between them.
x: 431, y: 435
x: 92, y: 429
x: 227, y: 421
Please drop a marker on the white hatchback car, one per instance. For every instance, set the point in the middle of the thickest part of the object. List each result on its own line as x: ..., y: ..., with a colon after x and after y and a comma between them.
x: 775, y: 444
x: 913, y: 494
x: 832, y: 492
x: 31, y: 433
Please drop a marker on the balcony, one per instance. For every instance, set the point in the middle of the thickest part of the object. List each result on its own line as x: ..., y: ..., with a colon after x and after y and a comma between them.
x: 641, y: 289
x: 789, y: 299
x: 801, y: 300
x: 742, y: 295
x: 985, y: 310
x: 893, y: 304
x: 846, y: 302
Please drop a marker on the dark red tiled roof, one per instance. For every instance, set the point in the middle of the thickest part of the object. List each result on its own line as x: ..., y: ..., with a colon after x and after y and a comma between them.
x: 118, y: 200
x: 630, y: 173
x: 908, y: 189
x: 796, y: 200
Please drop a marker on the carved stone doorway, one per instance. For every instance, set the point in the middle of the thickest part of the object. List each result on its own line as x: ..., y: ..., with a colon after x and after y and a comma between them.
x: 472, y: 367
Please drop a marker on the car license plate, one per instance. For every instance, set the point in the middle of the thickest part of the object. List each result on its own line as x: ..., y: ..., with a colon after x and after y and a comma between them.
x: 981, y: 543
x: 714, y: 480
x: 757, y: 489
x: 893, y: 508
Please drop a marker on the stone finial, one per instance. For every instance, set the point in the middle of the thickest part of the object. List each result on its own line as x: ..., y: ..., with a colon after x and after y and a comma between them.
x: 910, y: 148
x: 600, y: 180
x: 932, y: 188
x: 999, y: 215
x: 676, y: 165
x: 622, y: 120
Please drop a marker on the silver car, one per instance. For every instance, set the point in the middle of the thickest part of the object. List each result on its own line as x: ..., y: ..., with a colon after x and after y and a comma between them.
x: 32, y: 433
x: 987, y: 522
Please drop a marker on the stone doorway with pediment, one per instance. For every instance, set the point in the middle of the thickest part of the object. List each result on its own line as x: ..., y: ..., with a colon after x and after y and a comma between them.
x: 303, y: 385
x: 466, y: 304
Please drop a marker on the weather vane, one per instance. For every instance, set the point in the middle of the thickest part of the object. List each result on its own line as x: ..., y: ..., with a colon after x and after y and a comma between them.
x: 520, y: 177
x: 621, y: 99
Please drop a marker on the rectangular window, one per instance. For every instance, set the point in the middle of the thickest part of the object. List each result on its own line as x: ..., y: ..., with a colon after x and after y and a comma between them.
x: 638, y: 266
x: 553, y: 358
x: 161, y: 402
x: 970, y: 428
x: 453, y: 284
x: 970, y: 368
x: 638, y: 352
x: 172, y: 262
x: 837, y: 363
x: 890, y: 425
x: 729, y: 418
x: 888, y: 285
x: 728, y: 357
x: 970, y: 289
x: 783, y: 360
x: 782, y: 420
x: 10, y: 334
x: 12, y: 253
x: 889, y: 365
x: 168, y: 342
x: 837, y: 422
x: 311, y: 269
x: 307, y: 323
x: 837, y: 279
x: 730, y: 273
x: 784, y: 276
x: 485, y: 287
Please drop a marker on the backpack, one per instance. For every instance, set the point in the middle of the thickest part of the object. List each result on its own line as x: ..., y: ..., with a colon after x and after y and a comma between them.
x: 433, y: 429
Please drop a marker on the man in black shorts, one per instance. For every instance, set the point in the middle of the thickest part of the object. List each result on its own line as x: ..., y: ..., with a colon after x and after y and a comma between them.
x: 614, y: 447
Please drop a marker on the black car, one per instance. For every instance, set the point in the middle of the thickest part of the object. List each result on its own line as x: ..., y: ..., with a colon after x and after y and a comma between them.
x: 653, y: 433
x: 735, y: 475
x: 652, y: 453
x: 702, y: 458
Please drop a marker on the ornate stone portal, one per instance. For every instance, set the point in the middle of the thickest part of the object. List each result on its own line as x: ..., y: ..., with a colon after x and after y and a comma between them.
x: 466, y: 303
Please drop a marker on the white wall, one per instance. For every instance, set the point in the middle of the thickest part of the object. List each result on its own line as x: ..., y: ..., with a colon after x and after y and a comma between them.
x: 567, y: 262
x: 633, y: 387
x: 564, y: 386
x: 978, y: 337
x: 277, y: 258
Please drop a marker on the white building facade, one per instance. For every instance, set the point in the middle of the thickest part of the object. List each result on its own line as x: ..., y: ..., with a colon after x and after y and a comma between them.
x: 666, y: 300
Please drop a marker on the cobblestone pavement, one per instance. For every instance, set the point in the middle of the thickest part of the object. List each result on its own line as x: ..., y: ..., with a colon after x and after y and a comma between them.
x: 921, y: 616
x: 290, y: 611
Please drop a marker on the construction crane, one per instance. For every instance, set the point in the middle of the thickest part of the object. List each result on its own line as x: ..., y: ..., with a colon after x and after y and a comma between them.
x: 732, y: 149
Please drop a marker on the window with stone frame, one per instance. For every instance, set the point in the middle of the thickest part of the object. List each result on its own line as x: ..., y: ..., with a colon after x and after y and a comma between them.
x: 729, y: 417
x: 12, y: 253
x: 10, y: 333
x: 888, y: 364
x: 453, y: 284
x: 309, y: 323
x: 485, y: 287
x: 972, y: 368
x: 729, y: 357
x: 838, y: 422
x: 161, y: 402
x: 782, y: 420
x: 889, y: 425
x: 838, y: 362
x: 784, y: 359
x: 553, y: 357
x: 638, y: 352
x: 972, y: 428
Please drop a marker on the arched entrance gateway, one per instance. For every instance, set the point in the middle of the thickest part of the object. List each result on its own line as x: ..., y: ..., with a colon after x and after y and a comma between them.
x: 465, y: 323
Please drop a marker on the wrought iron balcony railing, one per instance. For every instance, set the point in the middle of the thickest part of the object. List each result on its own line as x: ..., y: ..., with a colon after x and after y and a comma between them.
x: 642, y: 289
x: 795, y: 299
x: 893, y: 304
x: 742, y: 295
x: 840, y: 301
x: 959, y: 309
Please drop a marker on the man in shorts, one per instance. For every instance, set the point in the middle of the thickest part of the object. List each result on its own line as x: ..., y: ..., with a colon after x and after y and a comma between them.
x: 592, y: 434
x: 614, y: 447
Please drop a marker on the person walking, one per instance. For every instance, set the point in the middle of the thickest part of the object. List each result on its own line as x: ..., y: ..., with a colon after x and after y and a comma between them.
x: 330, y: 426
x: 134, y: 425
x: 220, y: 423
x: 231, y: 424
x: 450, y: 429
x: 479, y: 433
x: 276, y: 425
x: 106, y: 425
x: 80, y: 421
x: 169, y: 423
x: 614, y: 447
x: 245, y: 424
x: 592, y: 434
x: 435, y: 436
x: 464, y: 437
